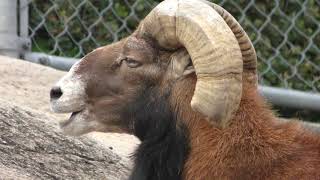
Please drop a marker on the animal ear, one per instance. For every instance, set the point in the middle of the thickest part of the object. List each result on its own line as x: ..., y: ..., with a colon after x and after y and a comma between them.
x: 181, y: 64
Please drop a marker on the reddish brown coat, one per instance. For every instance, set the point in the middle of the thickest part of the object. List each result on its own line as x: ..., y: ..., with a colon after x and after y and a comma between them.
x: 254, y: 146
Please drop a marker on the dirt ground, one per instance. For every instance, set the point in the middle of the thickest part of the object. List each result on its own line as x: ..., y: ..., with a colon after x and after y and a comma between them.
x: 28, y: 85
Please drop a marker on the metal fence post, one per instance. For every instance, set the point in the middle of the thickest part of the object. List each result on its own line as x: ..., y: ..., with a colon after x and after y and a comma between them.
x: 10, y: 42
x: 24, y: 27
x: 8, y: 28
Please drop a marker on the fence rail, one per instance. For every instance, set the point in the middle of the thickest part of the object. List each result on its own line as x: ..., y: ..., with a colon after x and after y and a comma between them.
x: 286, y: 35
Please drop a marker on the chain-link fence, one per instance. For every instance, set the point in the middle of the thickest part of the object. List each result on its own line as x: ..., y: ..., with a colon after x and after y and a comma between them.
x: 286, y: 34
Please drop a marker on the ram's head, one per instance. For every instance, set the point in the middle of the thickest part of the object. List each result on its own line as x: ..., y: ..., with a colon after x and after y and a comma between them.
x: 180, y: 40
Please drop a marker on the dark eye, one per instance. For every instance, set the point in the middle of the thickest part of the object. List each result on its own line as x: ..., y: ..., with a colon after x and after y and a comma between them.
x: 132, y: 63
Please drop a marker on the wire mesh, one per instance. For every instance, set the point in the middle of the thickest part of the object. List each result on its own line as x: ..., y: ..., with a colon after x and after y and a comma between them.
x: 286, y: 34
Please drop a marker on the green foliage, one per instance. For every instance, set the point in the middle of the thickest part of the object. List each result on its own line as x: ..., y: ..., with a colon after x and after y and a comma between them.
x: 74, y: 28
x: 286, y: 34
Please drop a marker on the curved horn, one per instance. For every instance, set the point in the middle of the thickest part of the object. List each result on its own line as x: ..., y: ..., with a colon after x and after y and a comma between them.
x: 213, y: 48
x: 248, y: 52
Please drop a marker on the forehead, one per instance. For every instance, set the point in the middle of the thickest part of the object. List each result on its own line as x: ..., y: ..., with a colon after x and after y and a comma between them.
x: 138, y: 45
x: 99, y: 58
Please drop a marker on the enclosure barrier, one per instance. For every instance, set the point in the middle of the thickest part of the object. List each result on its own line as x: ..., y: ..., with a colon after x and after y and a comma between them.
x: 58, y: 19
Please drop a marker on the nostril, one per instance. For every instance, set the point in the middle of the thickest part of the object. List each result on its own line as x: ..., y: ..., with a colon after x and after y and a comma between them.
x: 55, y: 93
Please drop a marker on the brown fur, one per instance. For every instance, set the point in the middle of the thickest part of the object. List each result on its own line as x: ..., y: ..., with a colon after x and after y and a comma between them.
x: 254, y: 146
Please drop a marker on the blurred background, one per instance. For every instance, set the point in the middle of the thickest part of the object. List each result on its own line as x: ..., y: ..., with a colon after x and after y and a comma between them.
x: 286, y: 35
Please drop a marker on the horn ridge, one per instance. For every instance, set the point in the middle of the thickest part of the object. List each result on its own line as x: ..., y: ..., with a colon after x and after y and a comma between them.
x: 247, y: 50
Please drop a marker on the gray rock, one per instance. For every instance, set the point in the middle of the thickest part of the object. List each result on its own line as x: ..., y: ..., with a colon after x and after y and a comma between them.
x: 31, y: 147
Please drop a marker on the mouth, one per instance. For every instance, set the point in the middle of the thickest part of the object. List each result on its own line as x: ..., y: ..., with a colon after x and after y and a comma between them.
x: 70, y: 120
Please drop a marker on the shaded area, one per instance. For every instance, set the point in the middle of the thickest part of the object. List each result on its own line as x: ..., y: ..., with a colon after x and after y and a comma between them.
x: 301, y: 114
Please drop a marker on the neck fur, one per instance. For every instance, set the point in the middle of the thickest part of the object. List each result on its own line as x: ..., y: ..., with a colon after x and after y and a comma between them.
x: 164, y: 140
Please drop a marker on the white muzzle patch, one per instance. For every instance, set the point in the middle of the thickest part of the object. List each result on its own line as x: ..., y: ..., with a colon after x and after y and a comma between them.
x: 73, y: 96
